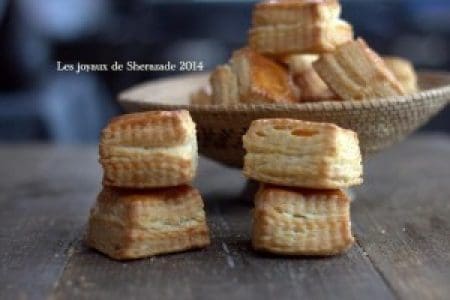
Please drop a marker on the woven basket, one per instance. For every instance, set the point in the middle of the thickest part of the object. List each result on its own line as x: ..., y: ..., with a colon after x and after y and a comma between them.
x: 379, y: 122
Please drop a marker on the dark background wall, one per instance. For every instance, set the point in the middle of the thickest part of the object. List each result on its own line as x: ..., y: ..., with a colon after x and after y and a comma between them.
x: 38, y: 103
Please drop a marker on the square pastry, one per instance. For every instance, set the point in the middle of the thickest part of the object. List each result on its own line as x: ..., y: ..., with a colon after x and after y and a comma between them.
x: 305, y: 39
x: 302, y: 12
x: 298, y: 26
x: 302, y: 154
x: 150, y: 149
x: 130, y: 223
x: 251, y: 78
x: 292, y: 221
x: 356, y: 72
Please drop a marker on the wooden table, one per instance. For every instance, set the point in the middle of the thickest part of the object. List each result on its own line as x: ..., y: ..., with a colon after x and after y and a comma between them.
x: 401, y: 219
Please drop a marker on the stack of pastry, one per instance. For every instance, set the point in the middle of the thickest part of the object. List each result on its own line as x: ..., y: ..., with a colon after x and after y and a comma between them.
x: 146, y: 206
x: 301, y: 207
x: 302, y: 51
x: 298, y: 26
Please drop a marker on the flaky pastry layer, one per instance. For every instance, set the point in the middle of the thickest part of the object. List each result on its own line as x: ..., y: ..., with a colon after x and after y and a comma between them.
x: 303, y: 154
x: 149, y: 129
x: 290, y: 221
x: 225, y: 86
x: 129, y: 224
x: 310, y: 86
x: 306, y: 12
x: 299, y: 38
x: 154, y: 149
x: 356, y: 72
x: 404, y: 71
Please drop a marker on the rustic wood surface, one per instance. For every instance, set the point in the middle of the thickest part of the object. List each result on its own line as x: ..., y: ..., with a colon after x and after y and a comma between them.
x: 401, y: 219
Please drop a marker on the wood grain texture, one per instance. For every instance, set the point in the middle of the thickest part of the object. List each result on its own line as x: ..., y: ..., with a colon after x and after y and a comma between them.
x: 400, y: 216
x: 43, y: 204
x: 228, y: 269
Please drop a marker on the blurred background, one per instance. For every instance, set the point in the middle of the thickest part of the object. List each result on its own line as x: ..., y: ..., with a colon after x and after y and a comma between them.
x: 39, y: 104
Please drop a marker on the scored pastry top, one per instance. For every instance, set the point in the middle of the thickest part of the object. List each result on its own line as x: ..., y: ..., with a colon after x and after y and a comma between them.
x: 296, y: 137
x: 149, y: 129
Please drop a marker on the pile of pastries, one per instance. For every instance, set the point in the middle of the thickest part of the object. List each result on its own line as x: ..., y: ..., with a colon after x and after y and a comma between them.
x: 301, y: 207
x: 302, y: 51
x: 298, y: 51
x: 146, y: 206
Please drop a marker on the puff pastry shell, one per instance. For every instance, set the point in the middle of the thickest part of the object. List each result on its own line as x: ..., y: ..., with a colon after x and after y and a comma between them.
x: 129, y: 224
x: 302, y: 154
x: 300, y: 38
x: 151, y: 149
x: 356, y: 72
x: 252, y: 78
x: 291, y: 221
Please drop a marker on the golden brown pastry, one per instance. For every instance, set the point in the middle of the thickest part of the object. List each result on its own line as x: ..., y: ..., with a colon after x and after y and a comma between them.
x: 300, y: 39
x: 201, y: 97
x: 356, y: 72
x: 224, y: 84
x: 302, y: 154
x: 305, y: 12
x: 298, y: 27
x: 311, y: 86
x: 291, y: 221
x: 150, y: 149
x: 404, y: 72
x: 251, y: 78
x: 129, y: 224
x: 298, y: 63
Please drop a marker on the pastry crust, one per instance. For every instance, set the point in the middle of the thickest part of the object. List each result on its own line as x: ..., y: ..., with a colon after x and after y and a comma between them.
x: 404, y: 72
x: 151, y: 149
x: 311, y: 86
x: 300, y: 38
x: 201, y: 97
x: 302, y: 154
x: 295, y: 12
x: 130, y: 224
x: 298, y: 63
x: 356, y: 72
x: 291, y: 221
x: 260, y: 79
x: 224, y: 84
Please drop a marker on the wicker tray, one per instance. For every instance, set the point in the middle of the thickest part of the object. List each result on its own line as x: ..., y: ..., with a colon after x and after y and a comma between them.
x: 379, y: 122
